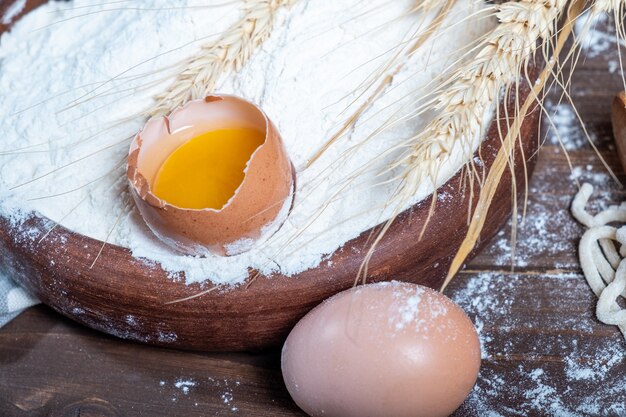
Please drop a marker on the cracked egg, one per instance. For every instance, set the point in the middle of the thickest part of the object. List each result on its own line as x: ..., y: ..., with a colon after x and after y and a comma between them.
x: 212, y: 177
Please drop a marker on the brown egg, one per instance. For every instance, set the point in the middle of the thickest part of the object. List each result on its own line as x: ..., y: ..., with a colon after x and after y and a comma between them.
x: 263, y: 186
x: 382, y: 350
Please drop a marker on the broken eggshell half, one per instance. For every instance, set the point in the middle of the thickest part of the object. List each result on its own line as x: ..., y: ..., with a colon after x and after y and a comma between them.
x: 258, y: 206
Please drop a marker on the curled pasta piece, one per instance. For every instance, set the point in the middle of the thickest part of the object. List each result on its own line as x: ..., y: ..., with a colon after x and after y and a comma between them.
x: 603, y: 264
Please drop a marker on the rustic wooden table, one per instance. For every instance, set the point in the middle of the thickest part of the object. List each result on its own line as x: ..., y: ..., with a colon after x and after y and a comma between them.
x: 544, y: 352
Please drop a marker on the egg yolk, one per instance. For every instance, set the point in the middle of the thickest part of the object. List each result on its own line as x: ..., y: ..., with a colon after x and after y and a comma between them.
x: 206, y: 171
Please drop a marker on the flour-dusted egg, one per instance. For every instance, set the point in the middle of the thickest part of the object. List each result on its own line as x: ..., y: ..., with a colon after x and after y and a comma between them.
x: 212, y: 177
x: 382, y: 350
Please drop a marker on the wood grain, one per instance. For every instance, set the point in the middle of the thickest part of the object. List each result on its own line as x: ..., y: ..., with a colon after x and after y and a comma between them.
x: 126, y: 297
x: 618, y: 121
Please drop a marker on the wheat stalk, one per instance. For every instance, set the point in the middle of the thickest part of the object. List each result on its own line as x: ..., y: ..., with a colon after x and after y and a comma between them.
x: 200, y: 73
x: 603, y: 6
x: 468, y: 95
x: 392, y: 72
x: 426, y: 5
x: 508, y: 146
x: 502, y: 62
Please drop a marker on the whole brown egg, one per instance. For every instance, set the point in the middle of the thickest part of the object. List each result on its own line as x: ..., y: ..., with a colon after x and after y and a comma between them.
x: 382, y: 350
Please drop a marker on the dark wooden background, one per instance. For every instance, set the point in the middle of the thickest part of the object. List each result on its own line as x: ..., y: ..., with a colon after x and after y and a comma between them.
x: 544, y: 352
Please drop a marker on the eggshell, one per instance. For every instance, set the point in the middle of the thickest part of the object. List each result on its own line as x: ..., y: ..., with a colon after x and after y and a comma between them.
x: 257, y: 206
x: 382, y: 350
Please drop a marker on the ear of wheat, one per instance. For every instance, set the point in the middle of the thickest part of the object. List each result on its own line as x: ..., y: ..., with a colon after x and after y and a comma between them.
x: 525, y: 26
x: 504, y: 154
x: 200, y: 73
x: 495, y: 174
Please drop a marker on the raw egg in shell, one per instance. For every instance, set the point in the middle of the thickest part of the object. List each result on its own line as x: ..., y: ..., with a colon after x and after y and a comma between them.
x: 212, y: 177
x: 382, y: 350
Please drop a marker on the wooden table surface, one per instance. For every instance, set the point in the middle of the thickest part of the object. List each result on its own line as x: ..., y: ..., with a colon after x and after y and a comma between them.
x: 544, y: 352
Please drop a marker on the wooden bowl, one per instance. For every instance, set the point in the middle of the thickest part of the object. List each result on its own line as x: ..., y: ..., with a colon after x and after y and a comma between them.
x: 126, y: 298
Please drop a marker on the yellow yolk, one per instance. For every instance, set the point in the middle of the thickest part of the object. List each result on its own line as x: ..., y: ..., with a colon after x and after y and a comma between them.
x: 206, y: 171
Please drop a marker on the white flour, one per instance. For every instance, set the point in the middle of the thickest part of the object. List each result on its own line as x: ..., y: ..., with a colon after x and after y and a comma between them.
x: 12, y: 12
x: 71, y: 73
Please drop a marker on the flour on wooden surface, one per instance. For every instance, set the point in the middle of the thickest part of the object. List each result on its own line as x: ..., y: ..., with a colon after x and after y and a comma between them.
x: 562, y: 374
x: 187, y: 390
x: 597, y: 34
x: 185, y: 385
x: 600, y: 40
x: 563, y: 371
x: 72, y: 73
x: 565, y: 127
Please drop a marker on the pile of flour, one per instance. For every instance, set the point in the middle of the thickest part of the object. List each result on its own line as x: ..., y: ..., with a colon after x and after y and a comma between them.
x: 75, y: 74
